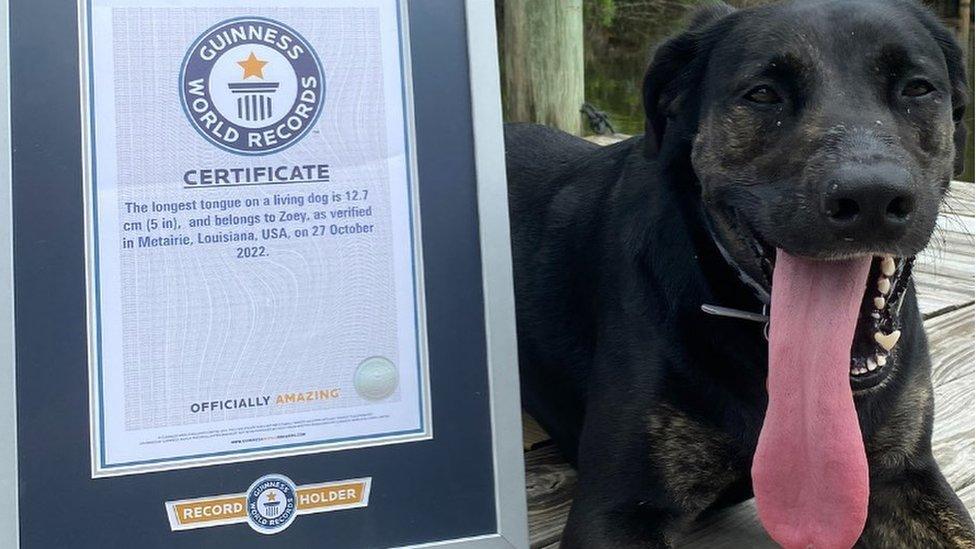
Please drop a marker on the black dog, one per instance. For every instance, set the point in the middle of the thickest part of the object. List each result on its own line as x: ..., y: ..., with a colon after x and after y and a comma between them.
x: 794, y: 160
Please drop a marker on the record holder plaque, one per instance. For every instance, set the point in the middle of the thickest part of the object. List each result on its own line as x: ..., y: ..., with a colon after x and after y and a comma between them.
x: 256, y: 276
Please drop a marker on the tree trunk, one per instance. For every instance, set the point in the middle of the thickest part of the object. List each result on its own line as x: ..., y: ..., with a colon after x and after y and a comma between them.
x: 543, y: 67
x: 965, y: 13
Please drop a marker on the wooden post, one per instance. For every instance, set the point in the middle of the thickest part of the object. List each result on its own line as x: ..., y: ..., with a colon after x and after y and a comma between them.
x: 964, y: 14
x: 543, y: 65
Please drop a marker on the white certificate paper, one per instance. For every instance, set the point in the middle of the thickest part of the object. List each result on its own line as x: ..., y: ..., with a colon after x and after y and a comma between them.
x: 255, y: 284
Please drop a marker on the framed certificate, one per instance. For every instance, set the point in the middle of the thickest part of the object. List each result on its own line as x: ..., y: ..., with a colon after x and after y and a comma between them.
x: 261, y: 280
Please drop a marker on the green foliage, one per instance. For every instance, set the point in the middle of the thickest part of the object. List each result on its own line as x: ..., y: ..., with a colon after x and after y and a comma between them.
x: 599, y: 12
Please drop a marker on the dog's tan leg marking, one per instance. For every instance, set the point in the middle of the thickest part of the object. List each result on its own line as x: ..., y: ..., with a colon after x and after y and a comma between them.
x: 696, y: 461
x: 689, y: 465
x: 902, y: 433
x: 917, y: 510
x: 911, y: 504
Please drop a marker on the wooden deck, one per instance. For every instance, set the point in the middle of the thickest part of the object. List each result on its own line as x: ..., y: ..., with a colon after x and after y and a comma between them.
x: 944, y: 276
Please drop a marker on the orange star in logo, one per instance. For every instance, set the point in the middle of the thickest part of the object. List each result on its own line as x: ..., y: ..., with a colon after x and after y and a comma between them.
x: 271, y: 495
x: 252, y: 67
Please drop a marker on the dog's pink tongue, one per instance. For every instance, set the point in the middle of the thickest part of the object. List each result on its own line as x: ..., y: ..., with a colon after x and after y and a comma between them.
x: 810, y: 473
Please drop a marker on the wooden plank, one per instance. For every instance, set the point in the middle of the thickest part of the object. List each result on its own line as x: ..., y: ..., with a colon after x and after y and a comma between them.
x: 962, y: 198
x: 952, y: 439
x: 549, y: 485
x: 944, y: 271
x: 954, y: 380
x: 533, y: 435
x: 951, y: 345
x: 551, y: 482
x: 606, y: 139
x: 967, y: 494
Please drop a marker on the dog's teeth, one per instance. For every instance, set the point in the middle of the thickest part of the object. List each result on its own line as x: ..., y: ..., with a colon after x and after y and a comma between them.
x: 888, y: 265
x: 872, y: 365
x: 887, y: 341
x: 884, y: 285
x: 882, y: 359
x: 879, y: 303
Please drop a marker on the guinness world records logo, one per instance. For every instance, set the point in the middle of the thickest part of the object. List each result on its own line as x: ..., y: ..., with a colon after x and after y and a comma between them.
x: 252, y: 85
x: 271, y: 504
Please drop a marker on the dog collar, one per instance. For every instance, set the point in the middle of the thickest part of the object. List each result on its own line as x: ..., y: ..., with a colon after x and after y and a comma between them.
x: 757, y: 289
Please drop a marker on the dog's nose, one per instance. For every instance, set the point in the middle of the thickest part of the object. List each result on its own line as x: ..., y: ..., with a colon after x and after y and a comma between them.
x: 868, y: 200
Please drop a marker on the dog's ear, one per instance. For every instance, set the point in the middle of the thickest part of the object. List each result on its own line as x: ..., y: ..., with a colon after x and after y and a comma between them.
x: 957, y: 79
x: 960, y: 91
x: 960, y: 100
x: 675, y: 67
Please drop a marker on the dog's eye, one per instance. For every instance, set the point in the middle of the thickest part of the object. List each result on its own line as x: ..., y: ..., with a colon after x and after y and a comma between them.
x: 764, y: 95
x: 917, y: 88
